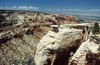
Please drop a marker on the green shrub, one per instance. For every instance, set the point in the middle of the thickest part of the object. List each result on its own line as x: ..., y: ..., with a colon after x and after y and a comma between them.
x: 96, y: 28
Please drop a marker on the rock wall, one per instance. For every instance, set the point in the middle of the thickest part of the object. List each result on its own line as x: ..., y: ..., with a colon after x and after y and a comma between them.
x: 88, y: 53
x: 55, y: 48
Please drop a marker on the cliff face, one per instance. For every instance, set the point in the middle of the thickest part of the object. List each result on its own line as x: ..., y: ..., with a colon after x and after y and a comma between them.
x: 88, y: 53
x: 20, y: 32
x: 55, y: 48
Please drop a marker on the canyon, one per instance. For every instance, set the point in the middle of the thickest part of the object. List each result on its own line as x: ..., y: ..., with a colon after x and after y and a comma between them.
x: 28, y: 38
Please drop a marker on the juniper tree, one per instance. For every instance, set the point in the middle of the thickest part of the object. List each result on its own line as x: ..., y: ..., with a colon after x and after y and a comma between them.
x: 96, y: 28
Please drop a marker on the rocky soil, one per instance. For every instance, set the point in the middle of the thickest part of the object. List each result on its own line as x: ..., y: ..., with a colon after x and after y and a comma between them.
x: 21, y: 31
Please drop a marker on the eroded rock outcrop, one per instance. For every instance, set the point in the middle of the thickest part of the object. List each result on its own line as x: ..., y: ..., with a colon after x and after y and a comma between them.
x: 88, y: 53
x: 55, y: 48
x: 18, y: 17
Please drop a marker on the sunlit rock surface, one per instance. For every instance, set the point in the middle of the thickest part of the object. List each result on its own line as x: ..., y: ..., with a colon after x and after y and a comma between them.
x: 54, y: 48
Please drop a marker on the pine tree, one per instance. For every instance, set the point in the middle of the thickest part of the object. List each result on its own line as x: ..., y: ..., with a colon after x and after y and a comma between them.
x: 96, y: 28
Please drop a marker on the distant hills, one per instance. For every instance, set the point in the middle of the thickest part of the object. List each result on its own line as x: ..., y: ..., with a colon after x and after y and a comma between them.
x: 82, y: 18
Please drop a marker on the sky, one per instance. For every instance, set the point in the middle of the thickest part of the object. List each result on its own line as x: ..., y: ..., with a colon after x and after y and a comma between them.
x: 84, y: 7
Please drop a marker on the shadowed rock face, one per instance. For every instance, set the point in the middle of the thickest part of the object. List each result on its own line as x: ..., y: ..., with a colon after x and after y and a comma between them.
x: 88, y: 53
x: 55, y: 48
x: 20, y: 32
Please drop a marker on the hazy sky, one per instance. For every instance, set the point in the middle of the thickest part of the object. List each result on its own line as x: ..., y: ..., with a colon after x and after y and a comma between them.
x: 60, y: 6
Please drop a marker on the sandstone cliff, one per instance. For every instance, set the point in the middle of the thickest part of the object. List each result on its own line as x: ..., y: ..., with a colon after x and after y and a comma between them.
x: 88, y: 53
x: 55, y: 48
